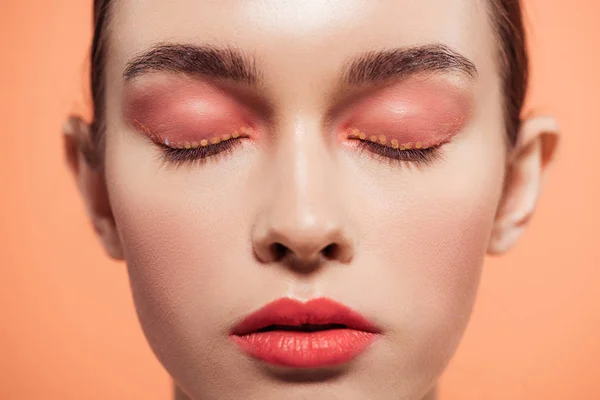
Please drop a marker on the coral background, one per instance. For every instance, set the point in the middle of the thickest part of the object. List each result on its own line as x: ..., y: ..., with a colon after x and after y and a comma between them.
x: 68, y: 329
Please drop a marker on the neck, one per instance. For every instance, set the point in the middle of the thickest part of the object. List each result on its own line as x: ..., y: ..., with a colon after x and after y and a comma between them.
x: 179, y: 395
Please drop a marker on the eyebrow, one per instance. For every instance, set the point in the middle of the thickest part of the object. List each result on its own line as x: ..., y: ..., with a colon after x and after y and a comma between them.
x: 374, y: 67
x: 228, y: 63
x: 222, y: 63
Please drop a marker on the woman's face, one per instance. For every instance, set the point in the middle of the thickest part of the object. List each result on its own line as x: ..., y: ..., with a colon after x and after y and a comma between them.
x: 296, y: 200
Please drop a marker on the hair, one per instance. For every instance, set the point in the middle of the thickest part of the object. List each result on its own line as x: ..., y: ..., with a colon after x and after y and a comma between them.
x: 513, y: 64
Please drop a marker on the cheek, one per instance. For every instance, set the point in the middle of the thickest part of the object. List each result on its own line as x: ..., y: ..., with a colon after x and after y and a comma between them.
x: 177, y: 237
x: 431, y: 234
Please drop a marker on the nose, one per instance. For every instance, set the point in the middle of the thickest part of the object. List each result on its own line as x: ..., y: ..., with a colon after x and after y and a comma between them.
x: 302, y: 223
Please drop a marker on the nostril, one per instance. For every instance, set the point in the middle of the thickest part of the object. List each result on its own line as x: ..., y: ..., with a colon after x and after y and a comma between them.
x: 279, y: 251
x: 331, y: 251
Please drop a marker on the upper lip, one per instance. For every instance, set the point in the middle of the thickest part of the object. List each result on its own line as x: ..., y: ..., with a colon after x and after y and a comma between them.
x: 290, y: 312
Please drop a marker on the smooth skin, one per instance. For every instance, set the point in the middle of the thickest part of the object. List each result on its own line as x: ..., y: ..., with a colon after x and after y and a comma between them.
x: 409, y: 239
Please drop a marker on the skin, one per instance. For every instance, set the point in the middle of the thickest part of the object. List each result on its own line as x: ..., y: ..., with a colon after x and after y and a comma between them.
x: 409, y: 239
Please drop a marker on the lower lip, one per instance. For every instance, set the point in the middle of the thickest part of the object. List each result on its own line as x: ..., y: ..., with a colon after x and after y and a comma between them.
x: 325, y: 348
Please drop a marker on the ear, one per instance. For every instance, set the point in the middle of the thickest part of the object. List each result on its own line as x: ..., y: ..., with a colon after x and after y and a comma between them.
x: 527, y: 165
x: 89, y: 176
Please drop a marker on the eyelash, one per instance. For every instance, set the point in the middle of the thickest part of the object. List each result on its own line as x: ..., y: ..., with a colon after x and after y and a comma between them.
x: 180, y: 156
x: 419, y: 157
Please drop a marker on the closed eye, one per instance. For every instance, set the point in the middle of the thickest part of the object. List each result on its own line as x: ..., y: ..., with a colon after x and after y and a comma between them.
x: 182, y: 155
x: 419, y: 156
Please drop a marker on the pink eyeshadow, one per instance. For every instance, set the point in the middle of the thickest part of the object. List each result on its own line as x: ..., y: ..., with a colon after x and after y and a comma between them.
x: 428, y: 113
x: 179, y: 111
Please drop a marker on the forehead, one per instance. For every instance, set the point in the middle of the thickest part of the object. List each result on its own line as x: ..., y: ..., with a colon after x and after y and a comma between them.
x: 310, y: 31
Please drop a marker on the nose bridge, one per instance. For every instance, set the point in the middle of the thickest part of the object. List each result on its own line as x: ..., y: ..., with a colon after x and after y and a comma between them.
x: 301, y: 215
x: 303, y: 167
x: 302, y: 205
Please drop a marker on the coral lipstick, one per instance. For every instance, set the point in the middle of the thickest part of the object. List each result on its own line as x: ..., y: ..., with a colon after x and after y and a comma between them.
x: 318, y: 333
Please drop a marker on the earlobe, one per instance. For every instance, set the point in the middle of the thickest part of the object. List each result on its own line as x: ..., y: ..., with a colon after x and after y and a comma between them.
x: 528, y: 163
x: 89, y: 177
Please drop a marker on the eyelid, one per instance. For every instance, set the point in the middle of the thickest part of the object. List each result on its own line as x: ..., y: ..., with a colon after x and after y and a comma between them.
x: 354, y: 133
x: 180, y: 156
x: 242, y: 132
x: 394, y: 152
x: 386, y: 154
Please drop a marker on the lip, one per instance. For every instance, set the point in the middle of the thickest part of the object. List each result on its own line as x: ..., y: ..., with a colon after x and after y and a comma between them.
x: 266, y: 335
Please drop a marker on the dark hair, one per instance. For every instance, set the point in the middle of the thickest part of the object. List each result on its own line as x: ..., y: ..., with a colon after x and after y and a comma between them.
x: 512, y: 59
